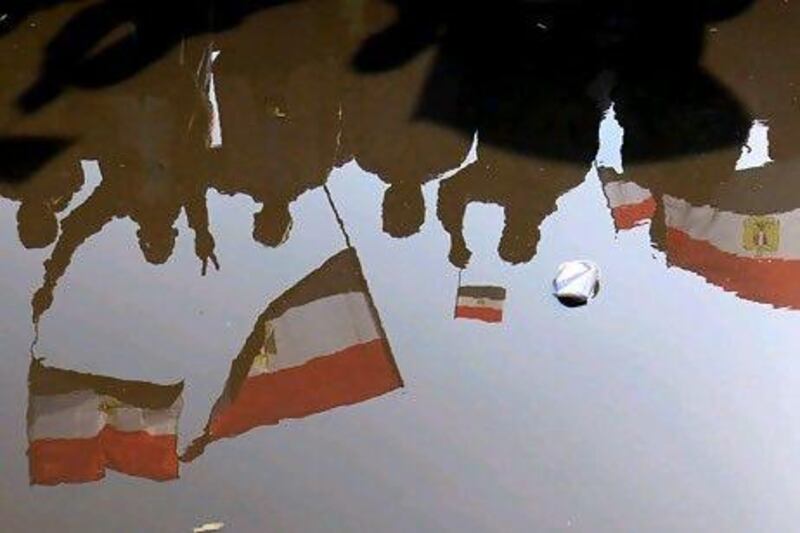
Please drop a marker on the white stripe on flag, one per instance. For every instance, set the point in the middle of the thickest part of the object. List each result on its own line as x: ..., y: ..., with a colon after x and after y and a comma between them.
x: 725, y: 230
x: 78, y: 415
x: 321, y: 327
x: 75, y: 415
x: 486, y: 303
x: 621, y: 193
x: 152, y: 421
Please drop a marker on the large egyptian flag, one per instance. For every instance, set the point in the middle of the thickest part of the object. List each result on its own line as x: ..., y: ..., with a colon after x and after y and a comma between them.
x: 755, y: 256
x: 318, y: 346
x: 631, y: 205
x: 81, y: 424
x: 480, y: 302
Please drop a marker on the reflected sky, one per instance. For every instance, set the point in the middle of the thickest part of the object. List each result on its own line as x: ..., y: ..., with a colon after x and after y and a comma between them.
x: 290, y: 208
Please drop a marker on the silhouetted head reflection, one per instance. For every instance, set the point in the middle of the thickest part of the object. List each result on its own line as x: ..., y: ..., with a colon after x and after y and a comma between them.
x: 37, y: 224
x: 42, y: 175
x: 403, y: 209
x: 272, y: 225
x: 519, y: 241
x: 156, y: 242
x: 526, y: 188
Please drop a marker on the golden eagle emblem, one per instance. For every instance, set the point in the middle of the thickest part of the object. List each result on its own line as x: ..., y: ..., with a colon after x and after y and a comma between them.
x: 761, y: 234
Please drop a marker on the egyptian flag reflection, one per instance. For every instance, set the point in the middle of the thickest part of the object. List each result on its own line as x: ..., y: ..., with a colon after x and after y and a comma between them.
x: 754, y: 256
x: 480, y: 302
x: 80, y: 424
x: 318, y: 346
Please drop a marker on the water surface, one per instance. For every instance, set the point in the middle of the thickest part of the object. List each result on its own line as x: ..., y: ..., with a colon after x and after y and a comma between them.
x: 234, y: 236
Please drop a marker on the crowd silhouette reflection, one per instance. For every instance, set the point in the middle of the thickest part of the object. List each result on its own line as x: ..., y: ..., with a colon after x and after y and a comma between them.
x: 280, y: 105
x: 147, y: 137
x: 302, y: 87
x: 268, y: 110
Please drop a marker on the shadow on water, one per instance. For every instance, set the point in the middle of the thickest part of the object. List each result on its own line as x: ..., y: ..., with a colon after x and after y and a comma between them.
x: 110, y: 41
x: 534, y: 76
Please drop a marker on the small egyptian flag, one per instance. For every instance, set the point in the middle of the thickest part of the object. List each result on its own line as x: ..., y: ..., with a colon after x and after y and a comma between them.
x: 480, y: 302
x: 318, y: 346
x: 80, y: 424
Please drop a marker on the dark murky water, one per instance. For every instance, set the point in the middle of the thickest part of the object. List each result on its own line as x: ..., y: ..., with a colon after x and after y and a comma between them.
x: 235, y: 233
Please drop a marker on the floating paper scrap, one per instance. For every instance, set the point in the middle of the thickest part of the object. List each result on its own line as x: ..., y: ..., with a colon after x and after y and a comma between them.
x: 210, y: 526
x: 576, y: 282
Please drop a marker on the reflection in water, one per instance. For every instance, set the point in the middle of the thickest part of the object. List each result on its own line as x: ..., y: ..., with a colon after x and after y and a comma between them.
x: 527, y: 190
x: 151, y: 169
x: 164, y: 114
x: 755, y: 256
x: 737, y: 242
x: 630, y: 204
x: 253, y: 113
x: 318, y: 346
x: 729, y: 214
x: 532, y: 74
x: 280, y: 111
x: 388, y: 138
x: 107, y: 42
x: 41, y: 192
x: 480, y: 302
x: 81, y: 424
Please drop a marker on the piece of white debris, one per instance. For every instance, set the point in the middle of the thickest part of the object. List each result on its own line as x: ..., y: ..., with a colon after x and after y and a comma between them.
x: 576, y: 282
x: 210, y: 526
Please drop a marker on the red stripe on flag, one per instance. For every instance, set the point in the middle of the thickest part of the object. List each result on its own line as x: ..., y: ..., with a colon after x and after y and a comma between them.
x: 630, y: 215
x: 347, y: 377
x: 54, y: 461
x: 772, y: 281
x: 141, y: 454
x: 487, y: 314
